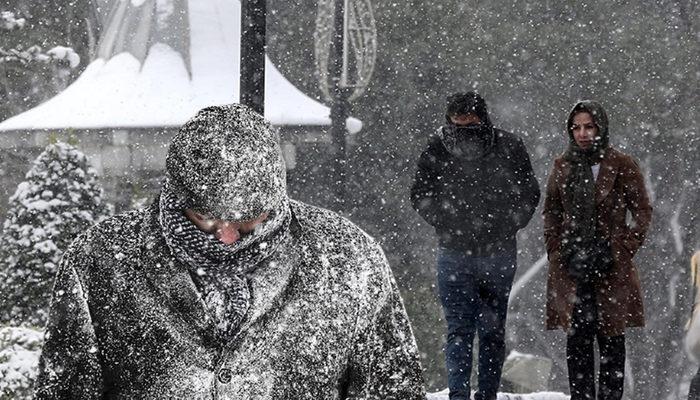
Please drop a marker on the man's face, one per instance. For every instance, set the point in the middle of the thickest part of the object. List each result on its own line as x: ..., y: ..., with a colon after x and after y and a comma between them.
x: 465, y: 119
x: 584, y: 129
x: 227, y: 232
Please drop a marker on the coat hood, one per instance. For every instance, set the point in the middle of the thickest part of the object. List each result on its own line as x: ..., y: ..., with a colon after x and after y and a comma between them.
x: 226, y: 162
x: 465, y: 103
x: 600, y: 118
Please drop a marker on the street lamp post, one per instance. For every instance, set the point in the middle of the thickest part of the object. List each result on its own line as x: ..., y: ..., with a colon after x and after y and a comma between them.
x: 253, y: 29
x: 345, y: 46
x: 340, y: 105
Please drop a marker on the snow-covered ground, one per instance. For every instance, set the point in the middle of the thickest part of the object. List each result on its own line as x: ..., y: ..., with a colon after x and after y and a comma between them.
x: 509, y: 396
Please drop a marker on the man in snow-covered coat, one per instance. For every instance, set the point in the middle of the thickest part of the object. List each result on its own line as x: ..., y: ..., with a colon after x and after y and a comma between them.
x: 475, y: 185
x: 224, y: 288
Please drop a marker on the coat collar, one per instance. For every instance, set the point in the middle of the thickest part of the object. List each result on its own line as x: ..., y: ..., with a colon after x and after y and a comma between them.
x: 606, y: 175
x: 172, y: 282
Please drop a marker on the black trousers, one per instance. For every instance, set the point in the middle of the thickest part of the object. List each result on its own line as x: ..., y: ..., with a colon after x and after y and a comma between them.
x: 694, y: 393
x: 580, y: 353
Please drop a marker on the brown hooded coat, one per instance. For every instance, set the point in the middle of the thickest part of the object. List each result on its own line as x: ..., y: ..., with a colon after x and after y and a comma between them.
x: 619, y: 188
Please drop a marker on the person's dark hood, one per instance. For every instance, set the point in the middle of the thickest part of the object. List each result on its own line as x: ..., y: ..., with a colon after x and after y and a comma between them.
x: 468, y: 142
x: 600, y: 118
x: 465, y: 103
x: 226, y: 162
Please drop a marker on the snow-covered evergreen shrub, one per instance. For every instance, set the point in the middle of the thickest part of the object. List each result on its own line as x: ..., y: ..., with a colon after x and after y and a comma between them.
x: 59, y: 199
x: 19, y: 360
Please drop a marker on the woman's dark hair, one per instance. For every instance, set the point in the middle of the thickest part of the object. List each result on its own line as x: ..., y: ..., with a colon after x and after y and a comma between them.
x: 578, y: 109
x: 598, y: 114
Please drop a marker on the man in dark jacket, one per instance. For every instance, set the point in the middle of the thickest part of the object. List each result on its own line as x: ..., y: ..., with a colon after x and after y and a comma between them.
x: 224, y: 288
x: 476, y: 187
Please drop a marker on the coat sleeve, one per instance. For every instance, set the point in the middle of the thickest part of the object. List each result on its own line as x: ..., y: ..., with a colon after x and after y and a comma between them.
x: 384, y: 363
x: 637, y: 202
x: 425, y: 192
x: 69, y: 367
x: 553, y: 213
x: 528, y: 187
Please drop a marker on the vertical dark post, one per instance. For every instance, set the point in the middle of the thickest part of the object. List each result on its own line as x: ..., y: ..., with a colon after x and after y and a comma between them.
x: 340, y: 106
x: 253, y: 18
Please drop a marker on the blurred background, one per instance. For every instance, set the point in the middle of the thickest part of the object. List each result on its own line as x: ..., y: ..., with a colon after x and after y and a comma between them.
x: 531, y: 60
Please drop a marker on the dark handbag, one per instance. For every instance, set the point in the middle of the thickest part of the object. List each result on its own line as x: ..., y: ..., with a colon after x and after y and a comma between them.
x: 587, y: 261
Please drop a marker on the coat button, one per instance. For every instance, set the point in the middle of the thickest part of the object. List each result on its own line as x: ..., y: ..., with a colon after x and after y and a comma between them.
x: 224, y: 375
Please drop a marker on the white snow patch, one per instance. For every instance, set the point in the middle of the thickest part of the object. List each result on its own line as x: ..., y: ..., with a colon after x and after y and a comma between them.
x: 65, y: 53
x: 676, y: 228
x: 444, y: 395
x: 526, y: 277
x: 19, y: 360
x: 46, y: 247
x: 8, y: 21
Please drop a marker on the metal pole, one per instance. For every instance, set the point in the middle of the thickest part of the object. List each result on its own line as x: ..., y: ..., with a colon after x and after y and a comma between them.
x: 252, y: 83
x: 340, y: 107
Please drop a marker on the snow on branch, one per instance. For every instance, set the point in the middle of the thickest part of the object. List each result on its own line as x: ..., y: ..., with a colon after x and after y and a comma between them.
x: 8, y: 21
x: 25, y: 56
x: 19, y: 360
x: 36, y: 54
x: 65, y: 53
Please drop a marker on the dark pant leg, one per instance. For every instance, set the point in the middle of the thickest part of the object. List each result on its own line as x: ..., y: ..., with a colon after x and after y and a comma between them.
x: 611, y: 378
x: 458, y: 295
x: 694, y: 393
x: 579, y: 345
x: 495, y: 281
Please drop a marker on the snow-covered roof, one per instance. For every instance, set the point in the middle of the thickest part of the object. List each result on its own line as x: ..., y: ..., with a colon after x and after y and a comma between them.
x: 159, y: 62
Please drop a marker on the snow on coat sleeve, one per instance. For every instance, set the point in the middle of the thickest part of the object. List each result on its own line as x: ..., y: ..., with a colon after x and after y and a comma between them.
x: 553, y: 213
x: 637, y: 201
x: 384, y: 364
x: 528, y: 187
x: 69, y: 366
x: 425, y: 189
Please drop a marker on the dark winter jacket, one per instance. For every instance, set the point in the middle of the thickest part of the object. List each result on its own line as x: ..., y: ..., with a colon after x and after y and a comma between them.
x: 324, y: 321
x: 476, y: 205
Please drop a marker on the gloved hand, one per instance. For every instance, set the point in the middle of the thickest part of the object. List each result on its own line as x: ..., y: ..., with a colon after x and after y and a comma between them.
x: 587, y: 261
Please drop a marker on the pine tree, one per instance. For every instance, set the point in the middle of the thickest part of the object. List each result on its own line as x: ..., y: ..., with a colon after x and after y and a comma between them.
x: 59, y: 199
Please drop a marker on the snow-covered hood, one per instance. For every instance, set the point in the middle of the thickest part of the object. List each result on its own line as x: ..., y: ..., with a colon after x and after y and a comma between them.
x: 226, y: 162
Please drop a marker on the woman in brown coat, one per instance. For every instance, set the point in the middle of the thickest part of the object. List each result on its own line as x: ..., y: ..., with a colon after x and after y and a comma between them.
x: 593, y: 287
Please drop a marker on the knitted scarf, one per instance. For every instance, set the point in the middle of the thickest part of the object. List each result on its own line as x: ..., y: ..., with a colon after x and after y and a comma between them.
x: 581, y: 188
x: 219, y: 270
x: 468, y: 142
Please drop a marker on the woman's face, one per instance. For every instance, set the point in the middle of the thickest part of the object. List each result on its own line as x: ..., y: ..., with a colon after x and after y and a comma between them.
x: 227, y: 232
x: 584, y: 130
